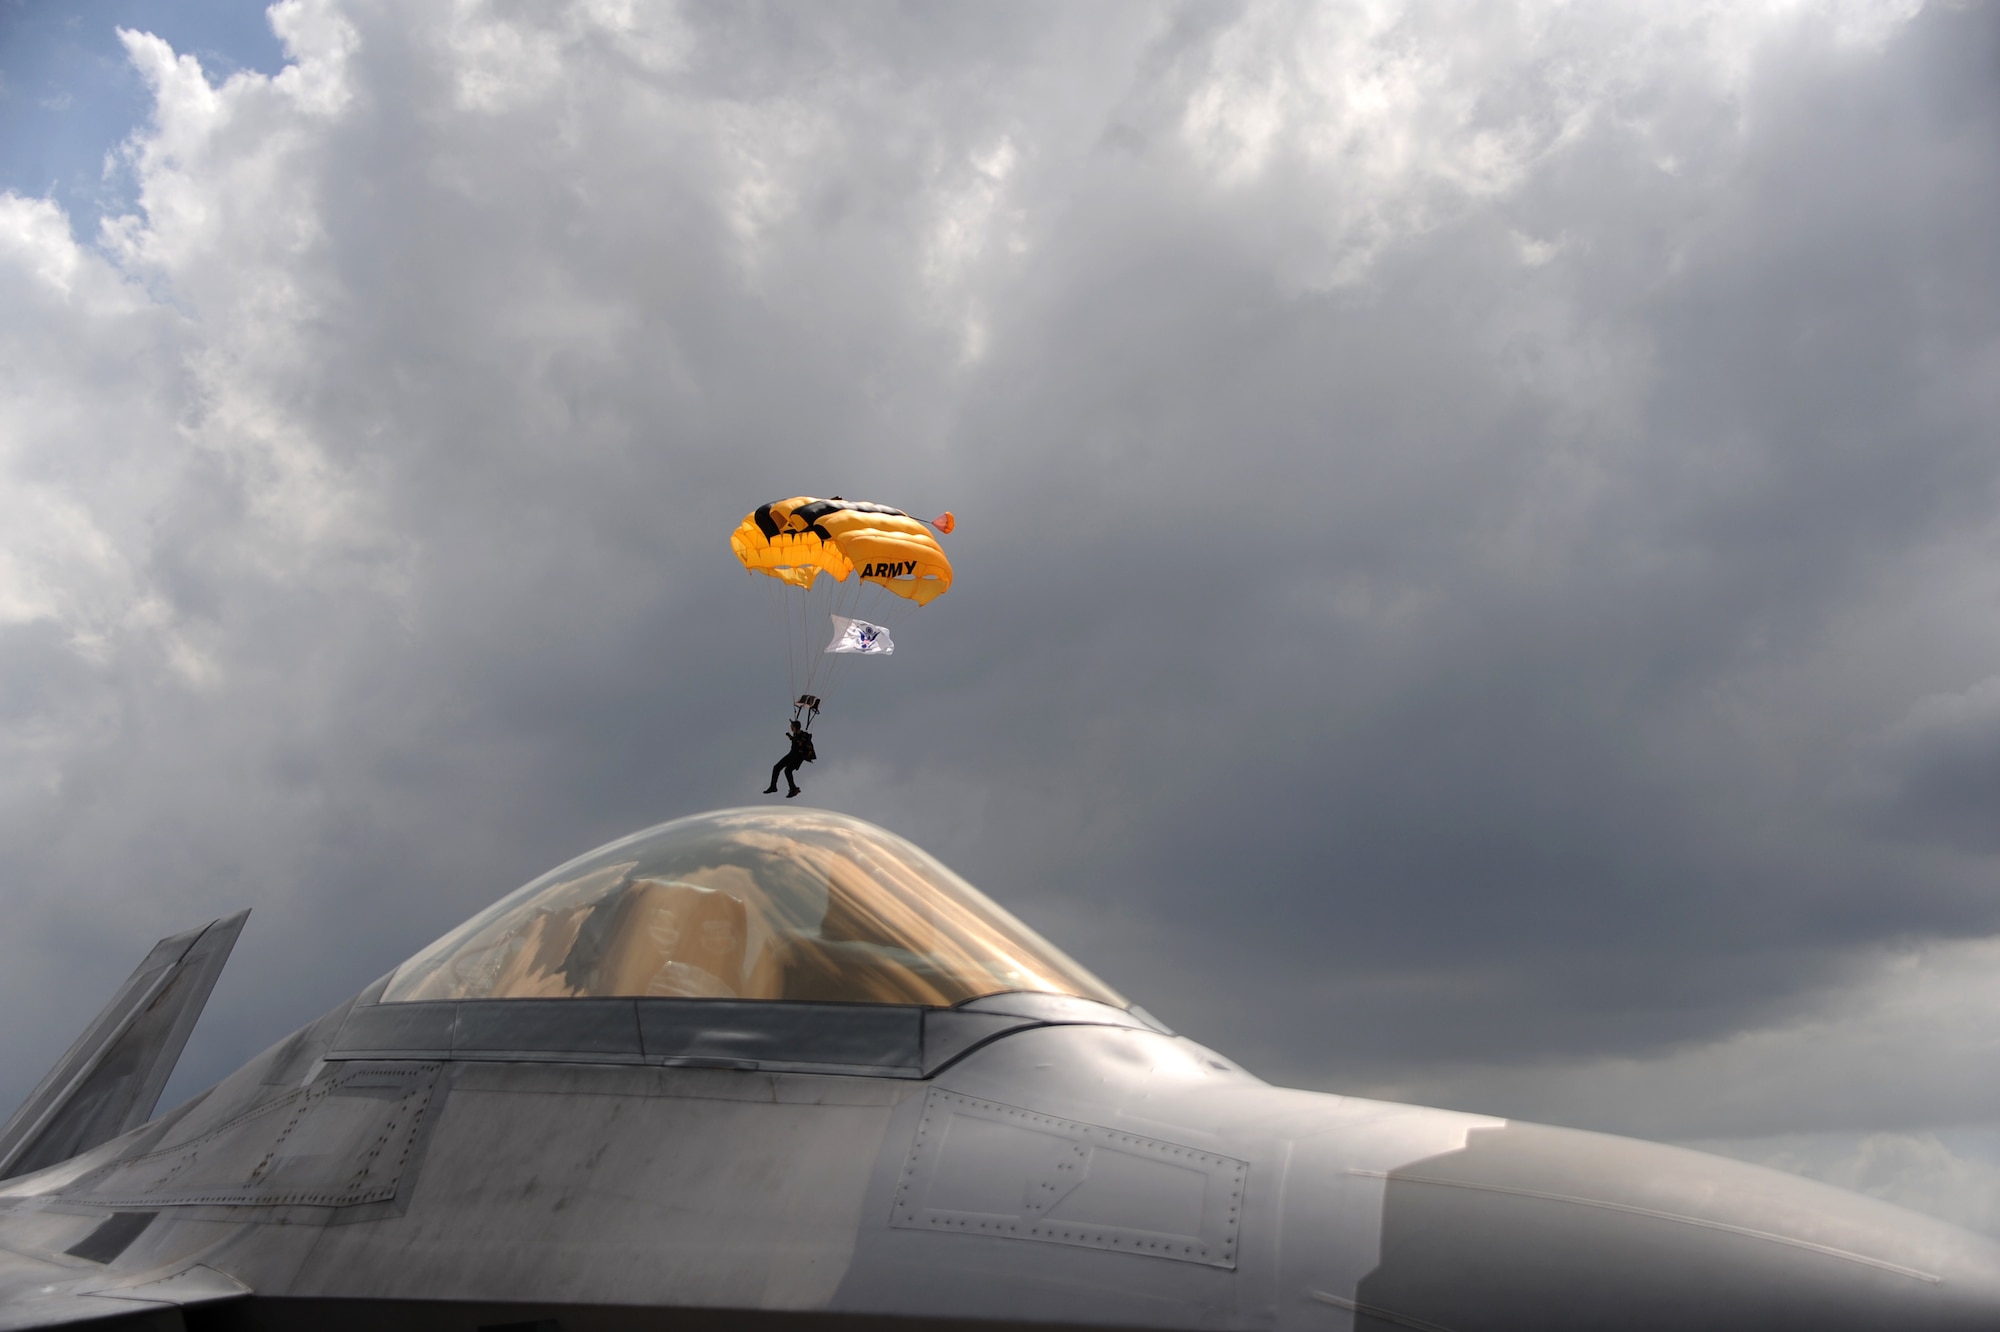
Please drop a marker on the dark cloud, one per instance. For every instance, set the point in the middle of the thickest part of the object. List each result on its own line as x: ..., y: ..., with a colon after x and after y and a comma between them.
x: 1935, y: 776
x: 1427, y: 491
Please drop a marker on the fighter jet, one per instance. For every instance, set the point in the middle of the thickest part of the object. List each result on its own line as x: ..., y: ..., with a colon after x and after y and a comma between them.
x: 782, y: 1069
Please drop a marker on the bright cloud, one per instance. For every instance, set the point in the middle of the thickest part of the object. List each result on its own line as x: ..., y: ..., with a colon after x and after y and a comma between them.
x: 1476, y: 527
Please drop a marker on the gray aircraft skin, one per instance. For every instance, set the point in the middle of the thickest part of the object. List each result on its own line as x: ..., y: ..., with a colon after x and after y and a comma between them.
x: 708, y: 1078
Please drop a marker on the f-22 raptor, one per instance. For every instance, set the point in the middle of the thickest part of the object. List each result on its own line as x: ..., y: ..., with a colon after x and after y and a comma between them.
x: 783, y: 1070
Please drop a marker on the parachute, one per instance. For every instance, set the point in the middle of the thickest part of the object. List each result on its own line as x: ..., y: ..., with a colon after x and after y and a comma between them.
x: 840, y: 560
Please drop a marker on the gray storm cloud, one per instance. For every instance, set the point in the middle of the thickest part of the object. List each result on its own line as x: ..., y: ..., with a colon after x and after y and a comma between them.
x: 1476, y: 545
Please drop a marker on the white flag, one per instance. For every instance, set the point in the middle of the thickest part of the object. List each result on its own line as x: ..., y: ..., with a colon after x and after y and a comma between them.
x: 860, y: 636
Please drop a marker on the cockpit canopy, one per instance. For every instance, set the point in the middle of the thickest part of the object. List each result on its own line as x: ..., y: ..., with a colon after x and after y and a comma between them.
x: 747, y: 904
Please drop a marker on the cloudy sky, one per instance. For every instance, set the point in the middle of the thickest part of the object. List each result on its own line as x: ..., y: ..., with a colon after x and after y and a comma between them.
x: 1479, y: 570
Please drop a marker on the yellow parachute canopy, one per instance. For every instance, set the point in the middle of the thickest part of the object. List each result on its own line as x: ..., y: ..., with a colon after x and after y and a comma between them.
x: 798, y: 539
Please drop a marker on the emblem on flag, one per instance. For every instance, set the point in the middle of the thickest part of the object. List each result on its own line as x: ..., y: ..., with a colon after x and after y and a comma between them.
x: 860, y: 636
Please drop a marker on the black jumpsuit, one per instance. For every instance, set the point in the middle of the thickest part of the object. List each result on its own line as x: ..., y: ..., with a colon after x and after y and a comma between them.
x: 801, y: 752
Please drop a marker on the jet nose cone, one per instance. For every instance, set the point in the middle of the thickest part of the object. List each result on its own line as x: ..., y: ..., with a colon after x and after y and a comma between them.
x: 1542, y: 1229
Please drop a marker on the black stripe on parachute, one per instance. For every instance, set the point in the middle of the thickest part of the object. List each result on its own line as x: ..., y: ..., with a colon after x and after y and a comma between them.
x: 810, y: 514
x: 818, y: 509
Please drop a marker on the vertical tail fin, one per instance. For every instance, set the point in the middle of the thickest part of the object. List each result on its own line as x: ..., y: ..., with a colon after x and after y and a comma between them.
x: 110, y: 1080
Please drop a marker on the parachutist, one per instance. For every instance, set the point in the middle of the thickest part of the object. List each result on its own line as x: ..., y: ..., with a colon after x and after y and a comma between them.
x: 801, y: 752
x: 820, y: 554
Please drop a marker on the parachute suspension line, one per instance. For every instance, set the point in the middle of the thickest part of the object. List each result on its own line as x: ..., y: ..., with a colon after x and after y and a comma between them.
x: 844, y: 605
x: 781, y: 615
x: 796, y: 641
x: 795, y: 605
x: 781, y: 605
x: 796, y: 599
x: 820, y: 671
x: 866, y: 603
x: 810, y: 601
x: 812, y: 630
x: 808, y: 538
x: 872, y: 602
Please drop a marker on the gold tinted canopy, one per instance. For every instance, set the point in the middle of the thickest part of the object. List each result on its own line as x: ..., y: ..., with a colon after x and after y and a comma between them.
x: 747, y: 904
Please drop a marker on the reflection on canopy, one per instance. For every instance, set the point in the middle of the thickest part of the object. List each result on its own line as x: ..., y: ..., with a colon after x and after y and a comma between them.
x: 746, y: 904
